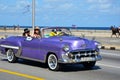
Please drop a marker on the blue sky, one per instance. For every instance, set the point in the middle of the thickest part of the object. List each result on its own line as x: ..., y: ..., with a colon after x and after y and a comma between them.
x: 82, y: 13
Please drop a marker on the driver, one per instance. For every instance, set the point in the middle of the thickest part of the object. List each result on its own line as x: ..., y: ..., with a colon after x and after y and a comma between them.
x: 53, y: 32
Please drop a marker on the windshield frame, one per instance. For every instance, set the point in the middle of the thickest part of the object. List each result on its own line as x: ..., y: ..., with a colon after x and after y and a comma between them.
x: 43, y: 29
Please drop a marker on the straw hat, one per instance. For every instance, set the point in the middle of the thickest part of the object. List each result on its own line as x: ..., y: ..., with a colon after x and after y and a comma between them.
x: 37, y: 27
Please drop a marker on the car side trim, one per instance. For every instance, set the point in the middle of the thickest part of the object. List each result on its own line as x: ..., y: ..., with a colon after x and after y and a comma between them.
x: 8, y: 46
x: 32, y: 59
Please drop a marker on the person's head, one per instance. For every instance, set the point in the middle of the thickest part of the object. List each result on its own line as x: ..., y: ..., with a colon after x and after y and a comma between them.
x: 54, y: 30
x: 26, y: 32
x: 37, y: 30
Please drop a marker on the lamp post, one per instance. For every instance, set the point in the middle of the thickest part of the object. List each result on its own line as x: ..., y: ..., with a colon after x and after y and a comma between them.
x: 33, y: 14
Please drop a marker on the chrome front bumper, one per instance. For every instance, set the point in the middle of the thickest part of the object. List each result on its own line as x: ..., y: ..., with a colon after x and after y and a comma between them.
x: 80, y: 57
x: 84, y: 59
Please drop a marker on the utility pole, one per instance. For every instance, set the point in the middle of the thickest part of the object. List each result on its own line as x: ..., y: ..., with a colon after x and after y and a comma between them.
x: 33, y: 14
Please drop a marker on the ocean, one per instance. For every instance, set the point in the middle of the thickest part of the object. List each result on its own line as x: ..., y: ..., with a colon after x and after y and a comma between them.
x: 83, y: 28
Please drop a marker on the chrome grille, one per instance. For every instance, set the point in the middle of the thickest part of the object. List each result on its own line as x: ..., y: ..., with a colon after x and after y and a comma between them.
x: 80, y: 54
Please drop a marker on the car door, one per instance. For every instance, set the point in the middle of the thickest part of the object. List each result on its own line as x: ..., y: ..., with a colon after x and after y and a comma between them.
x: 31, y: 48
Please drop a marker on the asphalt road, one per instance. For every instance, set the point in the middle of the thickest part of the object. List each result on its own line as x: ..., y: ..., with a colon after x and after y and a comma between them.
x: 107, y: 69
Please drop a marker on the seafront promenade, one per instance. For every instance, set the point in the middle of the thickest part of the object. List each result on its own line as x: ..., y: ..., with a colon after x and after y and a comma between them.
x: 102, y: 36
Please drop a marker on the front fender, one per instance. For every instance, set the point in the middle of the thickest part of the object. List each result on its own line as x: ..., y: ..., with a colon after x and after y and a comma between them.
x: 54, y: 47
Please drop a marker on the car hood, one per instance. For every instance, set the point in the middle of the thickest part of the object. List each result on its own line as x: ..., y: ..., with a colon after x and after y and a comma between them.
x: 74, y: 42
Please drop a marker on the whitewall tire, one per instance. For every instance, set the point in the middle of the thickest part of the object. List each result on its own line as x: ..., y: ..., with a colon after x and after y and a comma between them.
x: 52, y: 62
x: 11, y: 56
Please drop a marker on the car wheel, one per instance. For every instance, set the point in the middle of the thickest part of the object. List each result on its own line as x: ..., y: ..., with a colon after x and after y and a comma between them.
x: 11, y: 56
x: 89, y: 65
x: 53, y: 62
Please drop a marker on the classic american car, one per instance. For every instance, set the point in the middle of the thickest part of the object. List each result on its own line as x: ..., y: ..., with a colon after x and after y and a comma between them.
x: 63, y: 48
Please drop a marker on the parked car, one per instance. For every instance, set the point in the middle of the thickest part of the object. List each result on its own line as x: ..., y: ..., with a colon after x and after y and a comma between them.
x: 63, y: 48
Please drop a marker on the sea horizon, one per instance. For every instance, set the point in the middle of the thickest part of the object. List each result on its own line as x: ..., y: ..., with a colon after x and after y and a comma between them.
x: 83, y: 28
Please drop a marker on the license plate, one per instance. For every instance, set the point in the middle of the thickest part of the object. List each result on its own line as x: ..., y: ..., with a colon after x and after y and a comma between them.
x: 88, y: 59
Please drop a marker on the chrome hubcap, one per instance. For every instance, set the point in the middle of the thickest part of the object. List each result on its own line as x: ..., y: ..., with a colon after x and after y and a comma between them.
x: 10, y: 55
x: 52, y: 61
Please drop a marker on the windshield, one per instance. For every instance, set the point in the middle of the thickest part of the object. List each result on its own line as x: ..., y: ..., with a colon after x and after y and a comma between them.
x: 50, y: 32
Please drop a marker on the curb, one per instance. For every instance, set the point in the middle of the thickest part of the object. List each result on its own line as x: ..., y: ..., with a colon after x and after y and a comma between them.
x: 109, y: 48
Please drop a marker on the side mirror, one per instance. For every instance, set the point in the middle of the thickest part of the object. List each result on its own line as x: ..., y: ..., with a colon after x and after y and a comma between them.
x: 29, y: 38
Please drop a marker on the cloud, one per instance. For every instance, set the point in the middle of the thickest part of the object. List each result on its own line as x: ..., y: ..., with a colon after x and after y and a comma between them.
x: 66, y: 6
x: 98, y: 1
x: 17, y: 7
x: 103, y: 6
x: 56, y: 7
x: 51, y: 0
x: 22, y: 3
x: 3, y: 7
x: 56, y: 1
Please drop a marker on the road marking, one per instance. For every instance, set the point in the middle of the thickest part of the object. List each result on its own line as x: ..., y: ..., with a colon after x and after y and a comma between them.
x: 108, y: 65
x: 21, y: 75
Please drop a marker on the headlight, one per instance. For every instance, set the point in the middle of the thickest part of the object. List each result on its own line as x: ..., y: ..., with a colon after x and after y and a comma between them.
x: 98, y: 45
x: 66, y: 48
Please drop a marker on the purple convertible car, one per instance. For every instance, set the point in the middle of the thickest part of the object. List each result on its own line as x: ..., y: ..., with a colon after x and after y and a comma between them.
x: 64, y: 48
